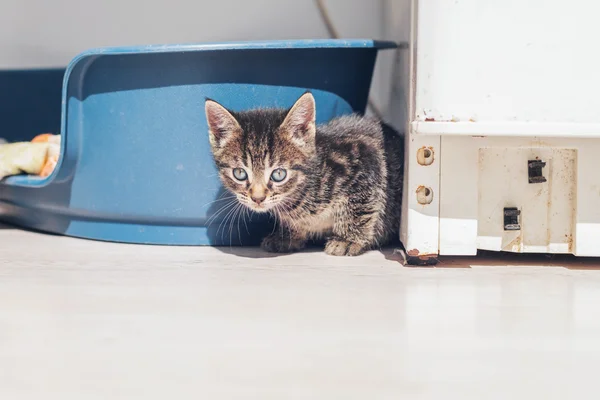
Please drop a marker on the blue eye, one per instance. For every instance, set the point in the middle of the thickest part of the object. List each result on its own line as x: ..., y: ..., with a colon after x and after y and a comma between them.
x: 278, y: 175
x: 240, y: 174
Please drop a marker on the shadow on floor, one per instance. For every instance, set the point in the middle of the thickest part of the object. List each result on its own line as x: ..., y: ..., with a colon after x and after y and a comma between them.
x: 497, y: 259
x: 257, y: 252
x: 4, y: 225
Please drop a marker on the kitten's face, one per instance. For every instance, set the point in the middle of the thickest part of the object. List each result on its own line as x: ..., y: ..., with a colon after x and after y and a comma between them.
x: 261, y: 154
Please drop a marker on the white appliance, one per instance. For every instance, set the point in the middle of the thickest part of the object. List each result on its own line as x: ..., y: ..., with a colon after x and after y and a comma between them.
x: 503, y: 144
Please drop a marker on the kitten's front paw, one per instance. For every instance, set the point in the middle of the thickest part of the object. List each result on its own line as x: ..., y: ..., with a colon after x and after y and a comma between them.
x: 276, y: 244
x: 338, y: 247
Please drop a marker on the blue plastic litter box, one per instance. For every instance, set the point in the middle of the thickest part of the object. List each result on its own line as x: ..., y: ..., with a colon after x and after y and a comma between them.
x: 136, y: 164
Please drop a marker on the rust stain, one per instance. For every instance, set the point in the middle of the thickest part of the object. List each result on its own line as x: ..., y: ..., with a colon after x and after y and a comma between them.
x: 451, y: 119
x: 569, y: 240
x: 415, y: 258
x: 515, y: 245
x: 413, y: 252
x: 426, y: 189
x: 430, y: 116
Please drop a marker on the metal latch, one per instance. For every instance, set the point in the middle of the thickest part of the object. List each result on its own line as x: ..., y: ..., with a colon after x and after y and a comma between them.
x: 534, y: 170
x: 511, y: 219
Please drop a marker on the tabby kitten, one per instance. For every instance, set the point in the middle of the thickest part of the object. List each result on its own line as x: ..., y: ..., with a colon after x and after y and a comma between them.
x: 341, y: 181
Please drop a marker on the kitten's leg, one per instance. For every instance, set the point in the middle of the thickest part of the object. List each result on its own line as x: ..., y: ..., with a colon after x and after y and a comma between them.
x: 284, y: 240
x: 355, y: 230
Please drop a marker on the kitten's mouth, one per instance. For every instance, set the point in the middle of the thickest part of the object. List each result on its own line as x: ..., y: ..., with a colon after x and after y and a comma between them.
x: 260, y: 207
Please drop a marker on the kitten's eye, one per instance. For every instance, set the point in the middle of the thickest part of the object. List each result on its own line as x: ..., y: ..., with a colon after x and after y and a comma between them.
x: 278, y: 175
x: 240, y: 174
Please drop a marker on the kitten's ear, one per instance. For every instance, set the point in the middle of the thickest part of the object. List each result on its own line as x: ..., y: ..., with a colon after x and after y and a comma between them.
x: 221, y: 124
x: 300, y: 120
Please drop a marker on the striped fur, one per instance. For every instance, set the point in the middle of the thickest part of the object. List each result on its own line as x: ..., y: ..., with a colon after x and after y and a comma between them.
x: 343, y: 179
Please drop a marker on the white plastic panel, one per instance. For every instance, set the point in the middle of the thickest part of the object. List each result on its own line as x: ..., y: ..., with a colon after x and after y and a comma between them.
x: 508, y: 61
x: 481, y: 176
x: 498, y: 82
x: 458, y: 188
x: 420, y: 221
x: 547, y: 208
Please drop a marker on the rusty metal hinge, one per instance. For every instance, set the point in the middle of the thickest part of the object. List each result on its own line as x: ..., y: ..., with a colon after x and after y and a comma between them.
x: 534, y: 170
x: 511, y: 219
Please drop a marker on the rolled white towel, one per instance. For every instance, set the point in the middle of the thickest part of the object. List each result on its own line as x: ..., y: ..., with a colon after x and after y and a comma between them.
x: 23, y: 157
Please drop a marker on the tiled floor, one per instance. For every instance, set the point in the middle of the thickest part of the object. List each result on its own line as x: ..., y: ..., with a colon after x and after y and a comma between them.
x: 89, y: 320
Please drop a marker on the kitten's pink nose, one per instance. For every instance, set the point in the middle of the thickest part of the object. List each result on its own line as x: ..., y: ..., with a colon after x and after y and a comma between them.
x: 258, y: 199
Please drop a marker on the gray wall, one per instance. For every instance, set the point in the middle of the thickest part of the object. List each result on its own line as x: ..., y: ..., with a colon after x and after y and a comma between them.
x: 42, y: 33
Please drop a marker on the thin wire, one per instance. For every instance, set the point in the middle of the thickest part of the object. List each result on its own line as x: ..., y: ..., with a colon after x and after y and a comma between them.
x: 334, y: 34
